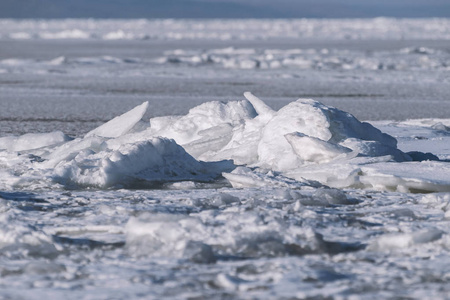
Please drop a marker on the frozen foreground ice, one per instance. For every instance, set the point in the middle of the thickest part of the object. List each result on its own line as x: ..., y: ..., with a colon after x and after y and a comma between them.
x: 231, y: 200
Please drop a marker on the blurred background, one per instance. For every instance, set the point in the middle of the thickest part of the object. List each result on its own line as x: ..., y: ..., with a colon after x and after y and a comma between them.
x: 223, y: 8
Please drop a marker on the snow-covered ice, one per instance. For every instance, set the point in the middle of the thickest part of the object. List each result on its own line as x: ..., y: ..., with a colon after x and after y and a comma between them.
x: 303, y: 140
x: 134, y: 164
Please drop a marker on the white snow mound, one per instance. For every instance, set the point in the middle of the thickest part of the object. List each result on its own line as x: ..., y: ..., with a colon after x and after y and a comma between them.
x: 304, y: 143
x: 155, y: 161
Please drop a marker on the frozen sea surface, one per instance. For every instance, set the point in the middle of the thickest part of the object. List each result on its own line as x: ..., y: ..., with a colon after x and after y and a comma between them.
x: 376, y: 69
x: 232, y: 200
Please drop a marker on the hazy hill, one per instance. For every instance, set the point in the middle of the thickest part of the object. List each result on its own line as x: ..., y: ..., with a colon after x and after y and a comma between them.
x: 221, y: 8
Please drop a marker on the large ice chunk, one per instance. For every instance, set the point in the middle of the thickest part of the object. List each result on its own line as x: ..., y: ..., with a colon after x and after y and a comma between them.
x: 115, y: 154
x: 203, y: 122
x: 243, y: 177
x: 426, y: 176
x: 320, y: 127
x: 157, y: 160
x: 121, y: 124
x: 312, y: 149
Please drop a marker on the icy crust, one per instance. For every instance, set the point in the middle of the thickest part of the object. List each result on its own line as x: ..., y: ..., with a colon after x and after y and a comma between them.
x: 18, y: 241
x: 305, y: 143
x: 209, y: 236
x: 189, y: 238
x: 259, y: 243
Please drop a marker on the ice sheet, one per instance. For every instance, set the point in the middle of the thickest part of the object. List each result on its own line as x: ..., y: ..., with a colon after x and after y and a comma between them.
x: 139, y: 216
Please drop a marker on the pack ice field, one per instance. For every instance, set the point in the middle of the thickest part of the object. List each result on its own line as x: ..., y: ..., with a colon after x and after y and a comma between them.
x: 225, y: 159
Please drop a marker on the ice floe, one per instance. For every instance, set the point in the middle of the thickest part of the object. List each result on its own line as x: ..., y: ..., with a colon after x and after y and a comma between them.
x: 407, y: 59
x: 120, y: 125
x: 414, y: 59
x: 305, y: 143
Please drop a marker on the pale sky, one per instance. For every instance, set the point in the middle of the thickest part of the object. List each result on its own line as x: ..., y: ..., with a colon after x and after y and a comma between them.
x: 222, y: 8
